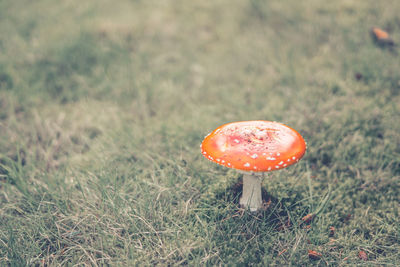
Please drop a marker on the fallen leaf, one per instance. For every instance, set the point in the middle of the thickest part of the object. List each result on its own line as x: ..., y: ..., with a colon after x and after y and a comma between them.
x: 381, y: 37
x: 266, y: 204
x: 284, y: 226
x: 314, y: 255
x: 379, y: 33
x: 283, y: 251
x: 362, y: 255
x: 308, y: 218
x: 331, y: 231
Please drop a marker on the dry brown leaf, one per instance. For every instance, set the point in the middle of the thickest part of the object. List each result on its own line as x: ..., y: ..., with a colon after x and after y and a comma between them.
x: 266, y: 204
x: 331, y: 231
x: 312, y: 254
x: 283, y: 251
x: 381, y: 37
x: 379, y: 33
x: 284, y: 226
x: 308, y: 218
x: 362, y: 255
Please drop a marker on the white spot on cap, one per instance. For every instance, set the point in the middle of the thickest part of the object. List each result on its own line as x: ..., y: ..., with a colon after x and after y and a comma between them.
x: 278, y: 154
x: 218, y: 160
x: 204, y: 152
x: 264, y: 154
x: 277, y: 166
x: 284, y: 165
x: 288, y: 160
x: 247, y: 164
x: 280, y: 163
x: 260, y: 134
x: 236, y: 141
x: 229, y: 164
x: 269, y: 168
x: 255, y: 167
x: 223, y: 161
x: 246, y: 131
x: 293, y: 158
x: 254, y: 156
x: 210, y: 157
x: 270, y: 158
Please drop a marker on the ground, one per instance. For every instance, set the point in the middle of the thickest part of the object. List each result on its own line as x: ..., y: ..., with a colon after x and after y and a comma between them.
x: 103, y: 106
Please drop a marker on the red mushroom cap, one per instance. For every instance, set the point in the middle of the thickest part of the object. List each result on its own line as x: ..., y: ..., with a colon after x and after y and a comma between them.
x: 257, y: 146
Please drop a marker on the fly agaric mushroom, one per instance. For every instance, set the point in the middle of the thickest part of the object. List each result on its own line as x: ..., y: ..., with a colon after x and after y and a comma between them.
x: 254, y: 147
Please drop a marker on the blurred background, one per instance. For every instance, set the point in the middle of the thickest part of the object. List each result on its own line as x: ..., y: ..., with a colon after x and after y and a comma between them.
x: 103, y: 106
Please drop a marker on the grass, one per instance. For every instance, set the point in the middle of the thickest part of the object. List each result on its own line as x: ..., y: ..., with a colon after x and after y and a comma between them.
x: 103, y: 107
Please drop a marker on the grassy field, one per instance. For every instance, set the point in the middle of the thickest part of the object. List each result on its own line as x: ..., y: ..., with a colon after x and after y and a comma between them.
x: 103, y: 106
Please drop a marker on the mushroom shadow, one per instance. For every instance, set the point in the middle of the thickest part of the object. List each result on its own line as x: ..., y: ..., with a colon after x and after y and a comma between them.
x: 233, y: 229
x: 276, y: 214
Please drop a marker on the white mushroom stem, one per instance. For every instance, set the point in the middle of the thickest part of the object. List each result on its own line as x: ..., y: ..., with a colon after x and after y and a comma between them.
x: 251, y: 195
